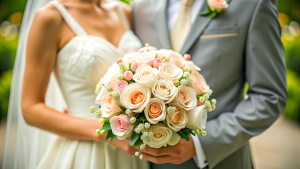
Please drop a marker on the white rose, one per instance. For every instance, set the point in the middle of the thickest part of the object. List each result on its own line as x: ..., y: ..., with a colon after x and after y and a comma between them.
x: 177, y: 120
x: 155, y: 111
x: 135, y: 97
x: 170, y: 71
x: 164, y: 90
x: 162, y: 136
x: 147, y: 49
x: 146, y: 75
x: 186, y: 98
x: 197, y: 118
x: 145, y: 57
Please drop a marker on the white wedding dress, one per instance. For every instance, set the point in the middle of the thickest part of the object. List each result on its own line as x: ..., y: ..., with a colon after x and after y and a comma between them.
x: 79, y: 66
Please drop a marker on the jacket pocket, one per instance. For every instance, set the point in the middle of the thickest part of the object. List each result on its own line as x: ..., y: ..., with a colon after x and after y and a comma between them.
x: 220, y: 32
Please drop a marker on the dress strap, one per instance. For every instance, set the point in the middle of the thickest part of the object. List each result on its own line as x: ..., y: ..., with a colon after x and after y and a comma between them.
x: 73, y: 24
x: 123, y: 17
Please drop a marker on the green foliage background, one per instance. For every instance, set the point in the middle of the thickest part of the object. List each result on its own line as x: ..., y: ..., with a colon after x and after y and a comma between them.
x: 289, y: 17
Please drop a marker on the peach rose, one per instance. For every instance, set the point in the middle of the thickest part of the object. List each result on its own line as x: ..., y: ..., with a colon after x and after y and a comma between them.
x: 120, y: 126
x: 109, y: 107
x: 186, y: 98
x: 199, y: 84
x: 135, y: 97
x: 217, y: 5
x: 155, y: 111
x: 177, y: 120
x: 174, y: 57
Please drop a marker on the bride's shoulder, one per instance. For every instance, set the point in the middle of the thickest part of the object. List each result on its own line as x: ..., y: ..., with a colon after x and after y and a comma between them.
x: 125, y: 7
x: 48, y: 16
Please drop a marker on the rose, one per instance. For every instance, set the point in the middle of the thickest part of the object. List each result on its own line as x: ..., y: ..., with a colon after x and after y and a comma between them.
x: 121, y: 85
x: 162, y: 136
x: 128, y: 75
x: 186, y: 98
x: 109, y: 107
x: 145, y: 57
x: 217, y: 5
x: 155, y: 111
x: 170, y: 71
x: 120, y: 126
x: 157, y: 62
x: 164, y: 90
x: 174, y: 57
x: 190, y: 65
x: 135, y: 97
x: 177, y: 120
x: 134, y: 66
x: 199, y: 84
x: 129, y: 57
x: 197, y: 118
x: 146, y: 75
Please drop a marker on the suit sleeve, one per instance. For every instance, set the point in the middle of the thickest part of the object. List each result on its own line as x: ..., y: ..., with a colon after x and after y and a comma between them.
x: 265, y: 72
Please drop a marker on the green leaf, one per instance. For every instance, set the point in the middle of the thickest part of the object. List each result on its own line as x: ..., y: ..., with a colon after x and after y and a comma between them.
x: 110, y: 134
x: 138, y: 142
x: 113, y: 137
x: 134, y: 137
x: 143, y: 118
x: 213, y: 14
x: 130, y: 67
x: 106, y: 126
x: 184, y: 135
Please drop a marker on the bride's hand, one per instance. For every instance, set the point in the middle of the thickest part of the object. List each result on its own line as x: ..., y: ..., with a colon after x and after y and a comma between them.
x: 123, y: 145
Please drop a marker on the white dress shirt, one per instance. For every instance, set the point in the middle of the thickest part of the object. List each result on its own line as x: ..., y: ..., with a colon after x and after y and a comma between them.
x: 173, y: 11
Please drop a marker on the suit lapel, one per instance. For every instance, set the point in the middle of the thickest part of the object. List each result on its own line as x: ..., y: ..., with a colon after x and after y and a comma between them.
x: 159, y: 11
x: 197, y: 28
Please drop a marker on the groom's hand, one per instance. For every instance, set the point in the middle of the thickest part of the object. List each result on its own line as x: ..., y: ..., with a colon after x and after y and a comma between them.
x: 178, y: 154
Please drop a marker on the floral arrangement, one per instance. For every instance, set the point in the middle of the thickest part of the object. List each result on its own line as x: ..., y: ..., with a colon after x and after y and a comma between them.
x: 153, y: 97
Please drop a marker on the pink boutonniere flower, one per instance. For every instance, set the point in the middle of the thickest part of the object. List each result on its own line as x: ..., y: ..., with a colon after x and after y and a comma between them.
x: 215, y: 7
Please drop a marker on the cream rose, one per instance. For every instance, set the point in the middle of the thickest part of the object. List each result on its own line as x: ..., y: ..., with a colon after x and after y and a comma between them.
x: 145, y: 57
x: 155, y: 111
x: 199, y: 84
x: 170, y: 71
x: 146, y: 75
x: 135, y: 97
x: 120, y: 126
x: 186, y: 98
x: 162, y: 136
x: 147, y: 49
x: 177, y: 120
x: 164, y: 90
x: 197, y: 118
x: 109, y: 106
x: 218, y: 5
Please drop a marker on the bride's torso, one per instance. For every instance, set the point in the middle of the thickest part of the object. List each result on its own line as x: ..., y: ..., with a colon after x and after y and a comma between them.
x: 84, y: 60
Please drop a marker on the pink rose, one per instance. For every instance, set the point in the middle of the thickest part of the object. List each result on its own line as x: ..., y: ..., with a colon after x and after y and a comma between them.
x: 128, y: 75
x: 121, y: 85
x: 217, y: 5
x: 120, y: 126
x: 134, y: 66
x: 187, y: 57
x: 157, y: 62
x: 199, y: 83
x: 119, y: 60
x: 109, y: 107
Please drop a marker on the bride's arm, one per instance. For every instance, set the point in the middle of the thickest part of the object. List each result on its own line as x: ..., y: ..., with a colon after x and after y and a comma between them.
x: 42, y: 46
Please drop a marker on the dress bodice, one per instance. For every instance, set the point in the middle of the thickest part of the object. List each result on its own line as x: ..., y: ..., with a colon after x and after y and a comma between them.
x: 85, y: 59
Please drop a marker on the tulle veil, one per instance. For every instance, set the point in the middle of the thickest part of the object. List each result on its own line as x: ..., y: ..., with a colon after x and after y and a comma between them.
x: 24, y: 145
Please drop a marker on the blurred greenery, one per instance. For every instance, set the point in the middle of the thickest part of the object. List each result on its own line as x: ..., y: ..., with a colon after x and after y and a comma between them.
x: 11, y: 12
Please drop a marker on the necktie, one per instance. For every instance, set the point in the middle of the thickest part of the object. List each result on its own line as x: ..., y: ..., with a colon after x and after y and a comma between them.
x: 182, y: 25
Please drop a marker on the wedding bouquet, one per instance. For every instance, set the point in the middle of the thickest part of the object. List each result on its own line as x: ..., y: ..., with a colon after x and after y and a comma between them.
x: 154, y: 97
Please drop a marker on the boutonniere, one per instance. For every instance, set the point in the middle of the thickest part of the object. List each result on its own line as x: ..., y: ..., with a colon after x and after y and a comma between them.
x: 215, y: 7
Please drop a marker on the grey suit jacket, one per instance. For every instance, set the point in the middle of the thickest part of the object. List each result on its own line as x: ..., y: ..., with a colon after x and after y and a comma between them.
x: 240, y: 45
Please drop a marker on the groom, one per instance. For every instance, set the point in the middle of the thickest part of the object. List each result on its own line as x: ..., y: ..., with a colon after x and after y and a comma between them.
x: 240, y: 45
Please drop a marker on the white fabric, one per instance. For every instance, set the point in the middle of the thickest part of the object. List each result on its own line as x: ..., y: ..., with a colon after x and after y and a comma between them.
x: 173, y: 11
x: 80, y: 64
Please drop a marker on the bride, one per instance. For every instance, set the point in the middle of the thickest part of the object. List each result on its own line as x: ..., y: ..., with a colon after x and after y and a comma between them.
x: 77, y: 40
